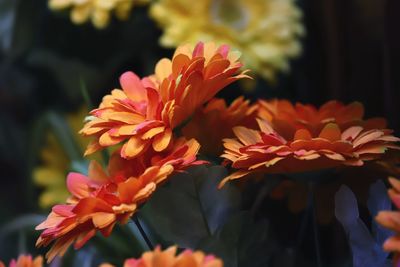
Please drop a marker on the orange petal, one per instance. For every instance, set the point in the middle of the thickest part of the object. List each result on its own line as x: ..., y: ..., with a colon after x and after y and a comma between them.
x: 302, y: 134
x: 133, y: 147
x: 331, y: 132
x: 132, y: 86
x: 162, y: 141
x: 103, y: 219
x: 247, y: 136
x: 163, y: 69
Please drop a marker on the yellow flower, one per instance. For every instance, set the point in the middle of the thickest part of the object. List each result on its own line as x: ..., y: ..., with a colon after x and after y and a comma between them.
x: 266, y: 32
x: 50, y: 175
x: 98, y: 11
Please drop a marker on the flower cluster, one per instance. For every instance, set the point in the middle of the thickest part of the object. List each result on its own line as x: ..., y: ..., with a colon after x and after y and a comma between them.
x: 168, y: 257
x: 140, y: 118
x: 267, y: 32
x: 299, y: 138
x: 99, y: 12
x: 146, y: 111
x: 25, y: 261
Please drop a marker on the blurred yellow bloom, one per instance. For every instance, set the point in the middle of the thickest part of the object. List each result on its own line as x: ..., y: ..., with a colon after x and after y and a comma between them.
x: 266, y: 32
x: 98, y: 11
x: 50, y: 175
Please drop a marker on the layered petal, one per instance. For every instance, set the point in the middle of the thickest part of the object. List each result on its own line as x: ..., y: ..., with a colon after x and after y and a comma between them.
x: 306, y: 140
x: 143, y: 114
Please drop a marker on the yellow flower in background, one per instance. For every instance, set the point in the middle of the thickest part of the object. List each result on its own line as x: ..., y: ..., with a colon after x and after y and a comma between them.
x: 55, y: 163
x: 266, y: 32
x: 98, y: 11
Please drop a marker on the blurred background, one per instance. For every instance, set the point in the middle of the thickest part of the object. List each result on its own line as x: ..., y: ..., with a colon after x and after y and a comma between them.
x: 52, y: 69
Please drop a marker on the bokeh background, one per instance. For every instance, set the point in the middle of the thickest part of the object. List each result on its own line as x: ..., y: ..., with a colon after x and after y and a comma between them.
x: 351, y: 51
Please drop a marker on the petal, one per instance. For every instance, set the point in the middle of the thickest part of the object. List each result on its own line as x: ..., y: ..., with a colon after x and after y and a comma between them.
x: 132, y: 86
x: 162, y: 141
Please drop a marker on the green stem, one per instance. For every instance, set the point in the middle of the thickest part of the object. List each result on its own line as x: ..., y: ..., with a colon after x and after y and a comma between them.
x: 143, y: 233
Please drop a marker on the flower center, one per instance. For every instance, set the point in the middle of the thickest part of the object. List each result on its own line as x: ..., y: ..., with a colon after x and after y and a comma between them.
x: 229, y: 12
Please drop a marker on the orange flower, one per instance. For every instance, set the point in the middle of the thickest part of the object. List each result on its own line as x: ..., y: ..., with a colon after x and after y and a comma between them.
x: 168, y: 258
x: 146, y: 111
x: 287, y: 118
x: 135, y: 114
x: 391, y: 220
x: 217, y: 115
x: 302, y: 147
x: 25, y: 261
x: 102, y: 199
x: 195, y: 75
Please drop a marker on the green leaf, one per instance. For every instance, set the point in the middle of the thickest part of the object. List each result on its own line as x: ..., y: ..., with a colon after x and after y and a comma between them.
x: 190, y: 207
x: 64, y: 135
x: 69, y: 73
x: 242, y: 242
x: 7, y: 21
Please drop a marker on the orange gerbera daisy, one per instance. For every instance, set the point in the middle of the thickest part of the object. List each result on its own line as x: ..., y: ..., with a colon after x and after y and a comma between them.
x: 25, y: 261
x: 217, y: 115
x: 298, y: 149
x: 146, y: 111
x: 101, y: 199
x: 168, y: 258
x: 195, y: 75
x: 391, y: 220
x: 135, y: 114
x: 286, y: 118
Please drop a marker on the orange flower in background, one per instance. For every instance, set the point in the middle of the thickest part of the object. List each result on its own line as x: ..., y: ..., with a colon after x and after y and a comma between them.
x: 279, y: 150
x: 25, y: 261
x: 195, y: 75
x: 168, y: 258
x: 286, y: 118
x: 145, y: 112
x: 101, y: 199
x: 215, y: 122
x: 391, y: 220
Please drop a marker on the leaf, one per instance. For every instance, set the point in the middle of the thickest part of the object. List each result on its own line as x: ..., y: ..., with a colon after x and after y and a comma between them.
x: 346, y: 209
x: 21, y: 223
x: 241, y: 242
x: 63, y: 133
x: 190, y: 207
x: 7, y: 20
x: 69, y: 73
x: 366, y: 252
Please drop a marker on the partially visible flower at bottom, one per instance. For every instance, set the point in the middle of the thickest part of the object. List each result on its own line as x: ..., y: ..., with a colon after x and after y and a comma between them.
x: 25, y: 261
x: 391, y: 220
x: 168, y: 258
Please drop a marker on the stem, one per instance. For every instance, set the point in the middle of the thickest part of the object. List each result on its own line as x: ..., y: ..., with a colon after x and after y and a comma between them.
x: 315, y: 226
x: 143, y: 233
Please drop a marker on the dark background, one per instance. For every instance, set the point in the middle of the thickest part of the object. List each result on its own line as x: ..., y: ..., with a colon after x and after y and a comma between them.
x: 351, y: 52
